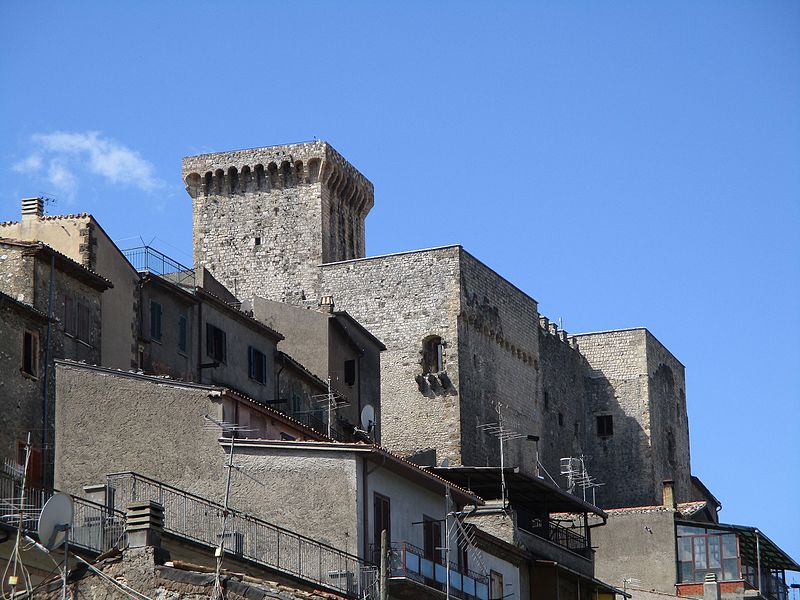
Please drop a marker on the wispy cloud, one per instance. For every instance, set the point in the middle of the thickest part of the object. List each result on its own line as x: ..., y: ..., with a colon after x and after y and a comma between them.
x: 61, y: 158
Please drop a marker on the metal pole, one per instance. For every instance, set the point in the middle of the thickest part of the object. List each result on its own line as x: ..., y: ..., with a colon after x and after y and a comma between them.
x: 384, y: 565
x: 46, y: 382
x: 758, y: 560
x: 66, y: 566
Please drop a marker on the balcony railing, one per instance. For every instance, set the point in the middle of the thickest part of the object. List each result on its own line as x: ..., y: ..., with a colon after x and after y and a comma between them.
x: 250, y: 538
x: 571, y: 538
x: 95, y: 528
x: 145, y: 258
x: 408, y: 561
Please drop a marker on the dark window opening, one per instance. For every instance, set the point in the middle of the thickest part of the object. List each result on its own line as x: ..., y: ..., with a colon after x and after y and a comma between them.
x: 182, y: 333
x: 258, y: 241
x: 349, y: 372
x: 382, y: 520
x: 560, y: 419
x: 84, y: 323
x: 30, y: 353
x: 546, y: 400
x: 155, y: 320
x: 257, y: 361
x: 215, y: 343
x: 432, y: 532
x: 433, y: 355
x: 605, y: 425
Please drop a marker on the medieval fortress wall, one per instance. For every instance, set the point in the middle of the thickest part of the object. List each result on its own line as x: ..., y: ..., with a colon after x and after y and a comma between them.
x: 287, y: 223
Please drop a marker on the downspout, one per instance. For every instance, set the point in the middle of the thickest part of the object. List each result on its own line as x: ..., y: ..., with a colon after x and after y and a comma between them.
x: 45, y: 408
x: 278, y: 378
x: 200, y: 341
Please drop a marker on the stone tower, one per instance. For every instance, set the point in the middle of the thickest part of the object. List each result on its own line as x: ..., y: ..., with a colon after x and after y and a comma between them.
x: 264, y: 219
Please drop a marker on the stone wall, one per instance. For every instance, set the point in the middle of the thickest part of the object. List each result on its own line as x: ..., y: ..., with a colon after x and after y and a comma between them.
x: 265, y: 218
x: 498, y: 348
x: 403, y: 299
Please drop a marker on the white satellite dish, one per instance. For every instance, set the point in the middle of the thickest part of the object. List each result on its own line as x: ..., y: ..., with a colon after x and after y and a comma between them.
x: 368, y: 418
x: 445, y: 462
x: 55, y: 521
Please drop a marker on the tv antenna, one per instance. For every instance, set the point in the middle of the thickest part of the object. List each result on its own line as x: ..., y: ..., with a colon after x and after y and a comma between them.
x: 578, y: 476
x: 15, y: 568
x: 498, y: 430
x: 332, y: 401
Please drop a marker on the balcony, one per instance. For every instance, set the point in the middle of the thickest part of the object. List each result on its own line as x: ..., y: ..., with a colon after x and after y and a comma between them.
x: 552, y: 530
x: 145, y: 258
x: 407, y: 563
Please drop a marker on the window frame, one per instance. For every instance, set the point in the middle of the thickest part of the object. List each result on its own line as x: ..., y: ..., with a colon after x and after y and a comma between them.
x: 386, y: 515
x: 604, y: 425
x: 30, y: 354
x: 255, y: 359
x: 183, y: 334
x: 350, y: 372
x: 214, y: 350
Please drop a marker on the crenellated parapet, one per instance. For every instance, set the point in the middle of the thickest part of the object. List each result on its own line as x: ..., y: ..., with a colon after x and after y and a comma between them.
x: 274, y: 168
x: 549, y: 328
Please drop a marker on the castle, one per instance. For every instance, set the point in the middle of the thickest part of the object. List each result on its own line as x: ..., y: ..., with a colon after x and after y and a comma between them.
x: 286, y: 223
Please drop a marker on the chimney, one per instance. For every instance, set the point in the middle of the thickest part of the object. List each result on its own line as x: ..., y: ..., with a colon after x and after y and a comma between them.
x: 668, y: 494
x: 326, y: 304
x: 32, y: 208
x: 144, y: 523
x: 711, y: 589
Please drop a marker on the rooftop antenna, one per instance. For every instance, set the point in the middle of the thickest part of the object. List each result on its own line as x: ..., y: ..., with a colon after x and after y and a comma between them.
x: 578, y: 476
x: 15, y: 569
x: 55, y: 523
x: 210, y: 422
x: 332, y: 402
x: 498, y: 430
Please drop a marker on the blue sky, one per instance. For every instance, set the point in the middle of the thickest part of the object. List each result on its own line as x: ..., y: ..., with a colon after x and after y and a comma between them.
x: 626, y: 163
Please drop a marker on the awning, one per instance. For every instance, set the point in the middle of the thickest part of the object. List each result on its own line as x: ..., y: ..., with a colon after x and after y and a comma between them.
x: 536, y: 495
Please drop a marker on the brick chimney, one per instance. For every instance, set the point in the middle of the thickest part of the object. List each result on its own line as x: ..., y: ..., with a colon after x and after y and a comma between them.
x: 32, y: 208
x: 668, y: 494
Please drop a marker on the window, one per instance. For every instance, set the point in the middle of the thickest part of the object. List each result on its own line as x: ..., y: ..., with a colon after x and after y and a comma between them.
x: 702, y: 551
x: 382, y: 520
x: 560, y: 419
x: 432, y: 355
x: 70, y: 321
x: 432, y: 532
x: 546, y: 400
x: 155, y: 321
x: 349, y: 372
x: 215, y: 343
x: 84, y: 323
x: 30, y: 353
x: 34, y: 462
x: 257, y: 361
x: 605, y: 425
x: 496, y: 589
x: 182, y: 333
x: 257, y: 241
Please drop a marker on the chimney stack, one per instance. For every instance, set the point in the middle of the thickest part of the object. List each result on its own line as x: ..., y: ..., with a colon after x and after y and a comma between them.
x: 32, y: 208
x: 668, y: 494
x: 144, y: 524
x: 326, y: 304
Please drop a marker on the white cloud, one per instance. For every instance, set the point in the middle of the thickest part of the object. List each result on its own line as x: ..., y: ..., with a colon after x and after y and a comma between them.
x: 70, y: 155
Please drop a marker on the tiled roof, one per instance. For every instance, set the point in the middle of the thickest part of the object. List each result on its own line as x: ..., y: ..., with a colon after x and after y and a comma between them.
x: 41, y: 246
x: 82, y: 215
x: 687, y: 509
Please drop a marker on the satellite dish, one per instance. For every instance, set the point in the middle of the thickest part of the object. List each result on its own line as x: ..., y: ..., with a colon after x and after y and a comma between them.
x: 368, y: 418
x: 445, y: 462
x: 55, y: 521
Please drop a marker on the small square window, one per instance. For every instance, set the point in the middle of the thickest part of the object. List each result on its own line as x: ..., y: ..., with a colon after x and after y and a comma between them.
x: 258, y: 365
x: 257, y: 241
x: 605, y: 425
x: 215, y: 343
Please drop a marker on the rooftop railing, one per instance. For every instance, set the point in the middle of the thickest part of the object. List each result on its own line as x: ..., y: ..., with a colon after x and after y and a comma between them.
x: 571, y: 538
x: 95, y: 528
x: 247, y: 537
x: 145, y: 258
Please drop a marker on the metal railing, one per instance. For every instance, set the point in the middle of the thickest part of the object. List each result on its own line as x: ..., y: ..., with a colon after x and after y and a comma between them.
x: 200, y: 520
x: 145, y: 258
x: 409, y: 561
x: 94, y: 527
x: 571, y: 538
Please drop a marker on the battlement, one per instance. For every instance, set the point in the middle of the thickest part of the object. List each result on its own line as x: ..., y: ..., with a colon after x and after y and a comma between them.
x: 561, y: 334
x: 277, y: 168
